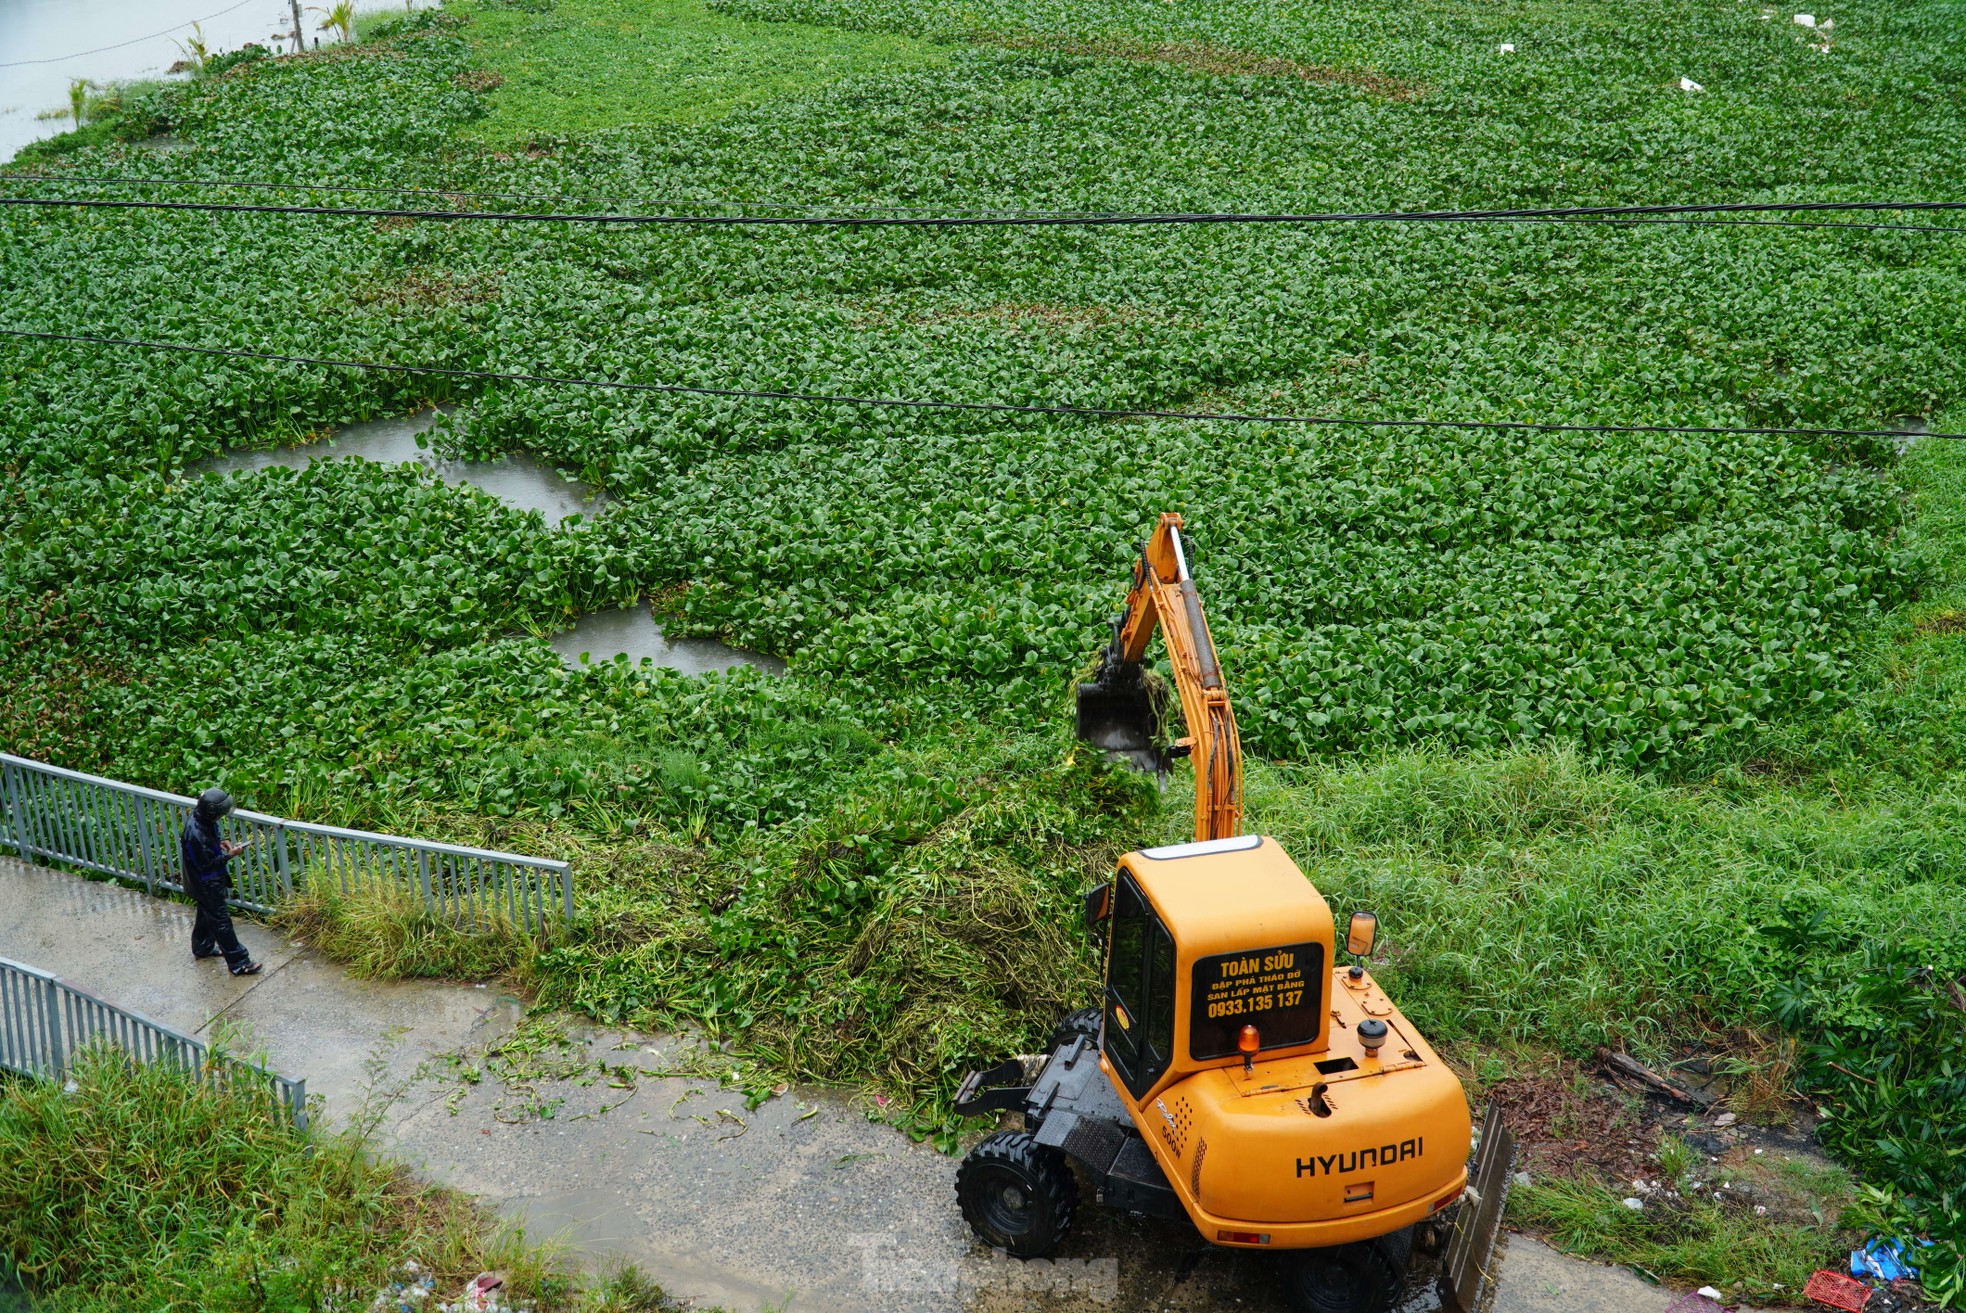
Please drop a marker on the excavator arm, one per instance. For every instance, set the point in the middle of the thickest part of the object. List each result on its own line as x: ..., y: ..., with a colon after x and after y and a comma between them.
x: 1119, y: 711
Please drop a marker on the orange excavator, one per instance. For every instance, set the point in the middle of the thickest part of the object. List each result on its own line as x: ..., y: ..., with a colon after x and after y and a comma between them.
x: 1235, y: 1077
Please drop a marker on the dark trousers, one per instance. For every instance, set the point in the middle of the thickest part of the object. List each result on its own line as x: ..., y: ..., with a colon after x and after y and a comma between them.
x: 211, y: 929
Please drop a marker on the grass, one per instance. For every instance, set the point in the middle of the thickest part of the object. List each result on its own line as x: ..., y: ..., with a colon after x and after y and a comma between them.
x: 573, y: 68
x: 142, y: 1188
x: 384, y: 932
x: 1704, y: 1240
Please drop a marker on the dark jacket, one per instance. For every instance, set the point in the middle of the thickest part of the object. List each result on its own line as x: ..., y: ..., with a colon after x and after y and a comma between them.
x: 205, y: 857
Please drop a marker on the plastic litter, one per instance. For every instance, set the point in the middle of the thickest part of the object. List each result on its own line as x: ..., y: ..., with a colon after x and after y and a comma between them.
x: 1688, y: 84
x: 1883, y: 1260
x: 1837, y: 1291
x: 1709, y: 1292
x: 1805, y: 20
x: 1635, y: 1204
x: 1696, y: 1302
x: 1506, y: 48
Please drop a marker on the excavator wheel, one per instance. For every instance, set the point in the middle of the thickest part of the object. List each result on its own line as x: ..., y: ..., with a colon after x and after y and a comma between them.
x: 1084, y: 1021
x: 1017, y: 1194
x: 1362, y: 1277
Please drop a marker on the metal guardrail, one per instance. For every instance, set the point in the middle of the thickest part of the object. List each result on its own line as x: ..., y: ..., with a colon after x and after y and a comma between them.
x: 44, y: 1024
x: 51, y: 814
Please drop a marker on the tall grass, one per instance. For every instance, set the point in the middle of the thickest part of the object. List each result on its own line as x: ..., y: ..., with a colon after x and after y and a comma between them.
x: 381, y: 932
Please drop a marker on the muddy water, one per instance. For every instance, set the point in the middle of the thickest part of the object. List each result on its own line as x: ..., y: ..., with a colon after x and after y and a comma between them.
x: 632, y: 631
x: 45, y: 44
x: 517, y: 481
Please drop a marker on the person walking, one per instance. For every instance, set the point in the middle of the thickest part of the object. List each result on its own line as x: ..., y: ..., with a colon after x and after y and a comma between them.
x: 207, y: 880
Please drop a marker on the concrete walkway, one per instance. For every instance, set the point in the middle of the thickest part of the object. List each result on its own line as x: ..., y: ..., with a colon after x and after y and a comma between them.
x: 801, y: 1205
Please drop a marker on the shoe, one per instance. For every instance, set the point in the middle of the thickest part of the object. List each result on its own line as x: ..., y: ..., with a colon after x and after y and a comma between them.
x: 250, y: 969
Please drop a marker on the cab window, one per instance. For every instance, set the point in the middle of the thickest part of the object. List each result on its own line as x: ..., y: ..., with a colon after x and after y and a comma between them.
x: 1139, y: 991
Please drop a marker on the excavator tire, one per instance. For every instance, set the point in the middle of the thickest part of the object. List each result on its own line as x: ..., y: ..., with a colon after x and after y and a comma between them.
x: 1397, y: 1246
x: 1357, y: 1278
x: 1017, y: 1194
x: 1085, y: 1021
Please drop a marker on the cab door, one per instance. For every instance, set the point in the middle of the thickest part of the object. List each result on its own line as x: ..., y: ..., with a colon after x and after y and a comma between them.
x: 1140, y: 990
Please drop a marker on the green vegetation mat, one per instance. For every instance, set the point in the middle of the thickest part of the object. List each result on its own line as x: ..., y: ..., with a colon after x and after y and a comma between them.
x: 1629, y: 738
x: 575, y: 67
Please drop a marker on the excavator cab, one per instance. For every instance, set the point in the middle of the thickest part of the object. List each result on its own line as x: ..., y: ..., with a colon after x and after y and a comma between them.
x: 1235, y: 1075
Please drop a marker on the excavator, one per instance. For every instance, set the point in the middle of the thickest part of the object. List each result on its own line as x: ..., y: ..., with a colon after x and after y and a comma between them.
x: 1235, y: 1077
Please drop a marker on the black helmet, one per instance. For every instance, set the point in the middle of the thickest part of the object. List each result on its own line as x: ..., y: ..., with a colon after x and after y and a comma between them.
x: 214, y: 803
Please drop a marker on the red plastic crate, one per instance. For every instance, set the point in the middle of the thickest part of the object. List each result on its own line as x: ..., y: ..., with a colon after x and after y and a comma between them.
x: 1837, y: 1291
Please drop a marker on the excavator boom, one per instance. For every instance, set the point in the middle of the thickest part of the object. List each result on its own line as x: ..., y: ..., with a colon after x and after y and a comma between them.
x: 1122, y: 712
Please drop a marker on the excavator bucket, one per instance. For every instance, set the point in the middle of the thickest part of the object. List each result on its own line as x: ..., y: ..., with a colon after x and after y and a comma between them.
x: 1119, y: 719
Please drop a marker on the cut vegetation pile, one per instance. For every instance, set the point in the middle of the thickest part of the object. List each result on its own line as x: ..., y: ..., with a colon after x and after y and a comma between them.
x: 1630, y: 738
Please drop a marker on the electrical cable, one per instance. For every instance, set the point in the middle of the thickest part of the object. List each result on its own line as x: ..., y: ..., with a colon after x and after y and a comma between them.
x: 454, y: 192
x: 62, y: 59
x: 992, y: 216
x: 1612, y: 218
x: 1623, y: 215
x: 1088, y: 412
x: 1001, y: 215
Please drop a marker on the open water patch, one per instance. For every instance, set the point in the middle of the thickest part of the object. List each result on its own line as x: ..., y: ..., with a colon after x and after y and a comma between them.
x: 516, y: 480
x: 632, y: 632
x: 1911, y: 432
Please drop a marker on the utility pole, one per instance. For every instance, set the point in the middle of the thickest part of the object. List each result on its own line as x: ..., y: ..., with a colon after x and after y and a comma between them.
x: 300, y: 41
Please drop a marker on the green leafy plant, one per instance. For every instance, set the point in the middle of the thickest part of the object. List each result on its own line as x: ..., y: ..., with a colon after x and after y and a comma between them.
x: 339, y: 17
x: 197, y: 56
x: 1881, y: 1049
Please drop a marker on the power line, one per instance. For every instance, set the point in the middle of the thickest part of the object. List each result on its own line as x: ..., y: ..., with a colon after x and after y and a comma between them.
x: 1007, y: 216
x: 1088, y: 412
x: 456, y: 192
x: 61, y: 59
x: 1630, y: 214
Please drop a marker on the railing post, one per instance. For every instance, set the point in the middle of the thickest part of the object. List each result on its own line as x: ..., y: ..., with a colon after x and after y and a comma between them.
x: 566, y: 886
x: 8, y: 832
x: 144, y: 845
x: 51, y: 1016
x: 281, y: 862
x: 10, y: 780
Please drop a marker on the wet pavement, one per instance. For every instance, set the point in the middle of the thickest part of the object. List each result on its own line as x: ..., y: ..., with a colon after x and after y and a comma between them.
x: 802, y: 1204
x: 517, y: 480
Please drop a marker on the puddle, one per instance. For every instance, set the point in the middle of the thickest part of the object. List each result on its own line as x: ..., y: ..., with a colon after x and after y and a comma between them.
x: 517, y: 480
x: 1909, y: 432
x: 632, y: 631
